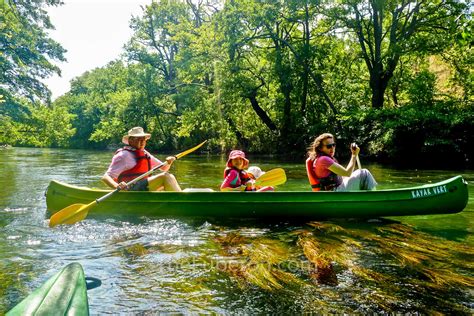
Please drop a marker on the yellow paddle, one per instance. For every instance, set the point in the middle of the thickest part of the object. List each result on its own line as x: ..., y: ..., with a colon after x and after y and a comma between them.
x: 272, y: 177
x: 77, y: 212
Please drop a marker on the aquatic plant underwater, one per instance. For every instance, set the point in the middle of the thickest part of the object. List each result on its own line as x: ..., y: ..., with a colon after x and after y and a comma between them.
x: 324, y: 267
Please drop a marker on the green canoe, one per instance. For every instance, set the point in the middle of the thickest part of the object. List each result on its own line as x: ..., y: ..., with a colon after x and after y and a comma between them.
x: 449, y: 196
x: 65, y: 293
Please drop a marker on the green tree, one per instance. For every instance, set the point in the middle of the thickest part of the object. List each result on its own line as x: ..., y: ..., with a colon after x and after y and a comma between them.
x: 98, y: 99
x: 421, y: 89
x: 26, y: 56
x: 26, y: 51
x: 461, y: 56
x: 386, y: 30
x: 53, y: 126
x: 276, y: 61
x: 267, y: 76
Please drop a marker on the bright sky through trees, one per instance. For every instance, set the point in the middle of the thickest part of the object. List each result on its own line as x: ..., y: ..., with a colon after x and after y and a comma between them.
x: 93, y: 33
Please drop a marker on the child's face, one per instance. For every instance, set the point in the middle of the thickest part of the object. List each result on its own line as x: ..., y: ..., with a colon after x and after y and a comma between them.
x: 238, y: 163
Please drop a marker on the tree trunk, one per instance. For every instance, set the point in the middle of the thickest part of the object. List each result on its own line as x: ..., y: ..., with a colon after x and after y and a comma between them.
x: 242, y: 141
x: 379, y: 79
x: 260, y: 112
x: 378, y: 87
x: 306, y: 58
x: 286, y: 86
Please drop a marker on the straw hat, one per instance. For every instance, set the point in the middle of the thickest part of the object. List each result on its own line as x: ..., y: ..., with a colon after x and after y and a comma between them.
x: 135, y: 132
x: 237, y: 154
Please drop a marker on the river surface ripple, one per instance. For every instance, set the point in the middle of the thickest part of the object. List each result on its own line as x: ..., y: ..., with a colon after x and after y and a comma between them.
x: 421, y: 264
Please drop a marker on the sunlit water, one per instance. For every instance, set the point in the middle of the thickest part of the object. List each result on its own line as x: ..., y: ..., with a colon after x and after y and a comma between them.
x: 418, y: 264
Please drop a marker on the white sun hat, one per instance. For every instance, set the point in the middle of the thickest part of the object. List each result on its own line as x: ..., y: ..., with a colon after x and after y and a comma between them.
x: 255, y: 171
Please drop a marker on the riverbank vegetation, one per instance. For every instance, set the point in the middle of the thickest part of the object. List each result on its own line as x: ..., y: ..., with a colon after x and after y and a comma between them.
x: 264, y: 76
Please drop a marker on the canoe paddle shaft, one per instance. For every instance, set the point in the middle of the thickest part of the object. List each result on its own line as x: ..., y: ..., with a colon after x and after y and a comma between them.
x: 129, y: 184
x: 354, y: 145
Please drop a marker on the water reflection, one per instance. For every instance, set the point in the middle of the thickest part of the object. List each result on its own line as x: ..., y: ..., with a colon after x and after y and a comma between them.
x: 204, y: 265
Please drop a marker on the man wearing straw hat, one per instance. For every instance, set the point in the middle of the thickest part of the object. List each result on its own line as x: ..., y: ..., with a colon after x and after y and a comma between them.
x: 133, y: 160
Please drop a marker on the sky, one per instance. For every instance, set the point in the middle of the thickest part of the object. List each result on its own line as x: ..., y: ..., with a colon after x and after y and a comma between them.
x: 93, y: 32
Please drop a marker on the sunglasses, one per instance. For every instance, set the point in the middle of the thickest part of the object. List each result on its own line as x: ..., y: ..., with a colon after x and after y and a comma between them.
x: 329, y: 146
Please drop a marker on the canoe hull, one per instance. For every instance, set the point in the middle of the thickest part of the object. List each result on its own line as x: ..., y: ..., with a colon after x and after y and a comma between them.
x: 449, y: 196
x: 65, y: 293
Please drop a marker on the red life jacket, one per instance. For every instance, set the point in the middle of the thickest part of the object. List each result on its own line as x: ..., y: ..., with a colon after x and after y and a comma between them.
x: 328, y: 183
x: 244, y: 177
x: 143, y: 165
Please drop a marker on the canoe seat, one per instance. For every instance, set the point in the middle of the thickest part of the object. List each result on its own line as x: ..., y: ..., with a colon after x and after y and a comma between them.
x: 198, y: 190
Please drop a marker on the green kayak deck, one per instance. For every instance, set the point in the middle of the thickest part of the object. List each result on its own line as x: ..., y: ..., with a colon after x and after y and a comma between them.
x: 65, y: 293
x: 449, y: 196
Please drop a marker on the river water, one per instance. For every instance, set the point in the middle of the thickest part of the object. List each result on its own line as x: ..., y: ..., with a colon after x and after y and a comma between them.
x: 421, y: 264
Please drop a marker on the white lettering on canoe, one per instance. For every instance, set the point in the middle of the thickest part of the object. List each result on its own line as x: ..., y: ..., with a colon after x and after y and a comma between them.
x: 429, y: 191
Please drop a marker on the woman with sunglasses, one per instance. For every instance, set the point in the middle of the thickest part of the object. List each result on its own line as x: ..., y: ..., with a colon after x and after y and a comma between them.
x: 326, y: 174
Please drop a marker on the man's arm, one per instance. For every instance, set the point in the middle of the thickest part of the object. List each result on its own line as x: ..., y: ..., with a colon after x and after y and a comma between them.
x: 109, y: 181
x: 117, y: 166
x: 165, y: 167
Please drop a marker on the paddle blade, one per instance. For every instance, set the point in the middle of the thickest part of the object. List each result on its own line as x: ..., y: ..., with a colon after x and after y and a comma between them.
x: 71, y: 214
x: 273, y: 177
x: 184, y: 153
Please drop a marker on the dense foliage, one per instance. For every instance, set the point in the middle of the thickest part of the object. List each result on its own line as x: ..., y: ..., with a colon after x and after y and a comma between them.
x: 268, y: 76
x: 26, y: 55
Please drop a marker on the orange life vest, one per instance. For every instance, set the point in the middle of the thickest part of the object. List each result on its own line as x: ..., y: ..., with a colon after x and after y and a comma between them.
x: 328, y: 183
x: 143, y: 165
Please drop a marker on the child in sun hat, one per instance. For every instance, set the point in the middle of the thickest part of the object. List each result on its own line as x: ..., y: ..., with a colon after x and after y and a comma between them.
x: 235, y: 176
